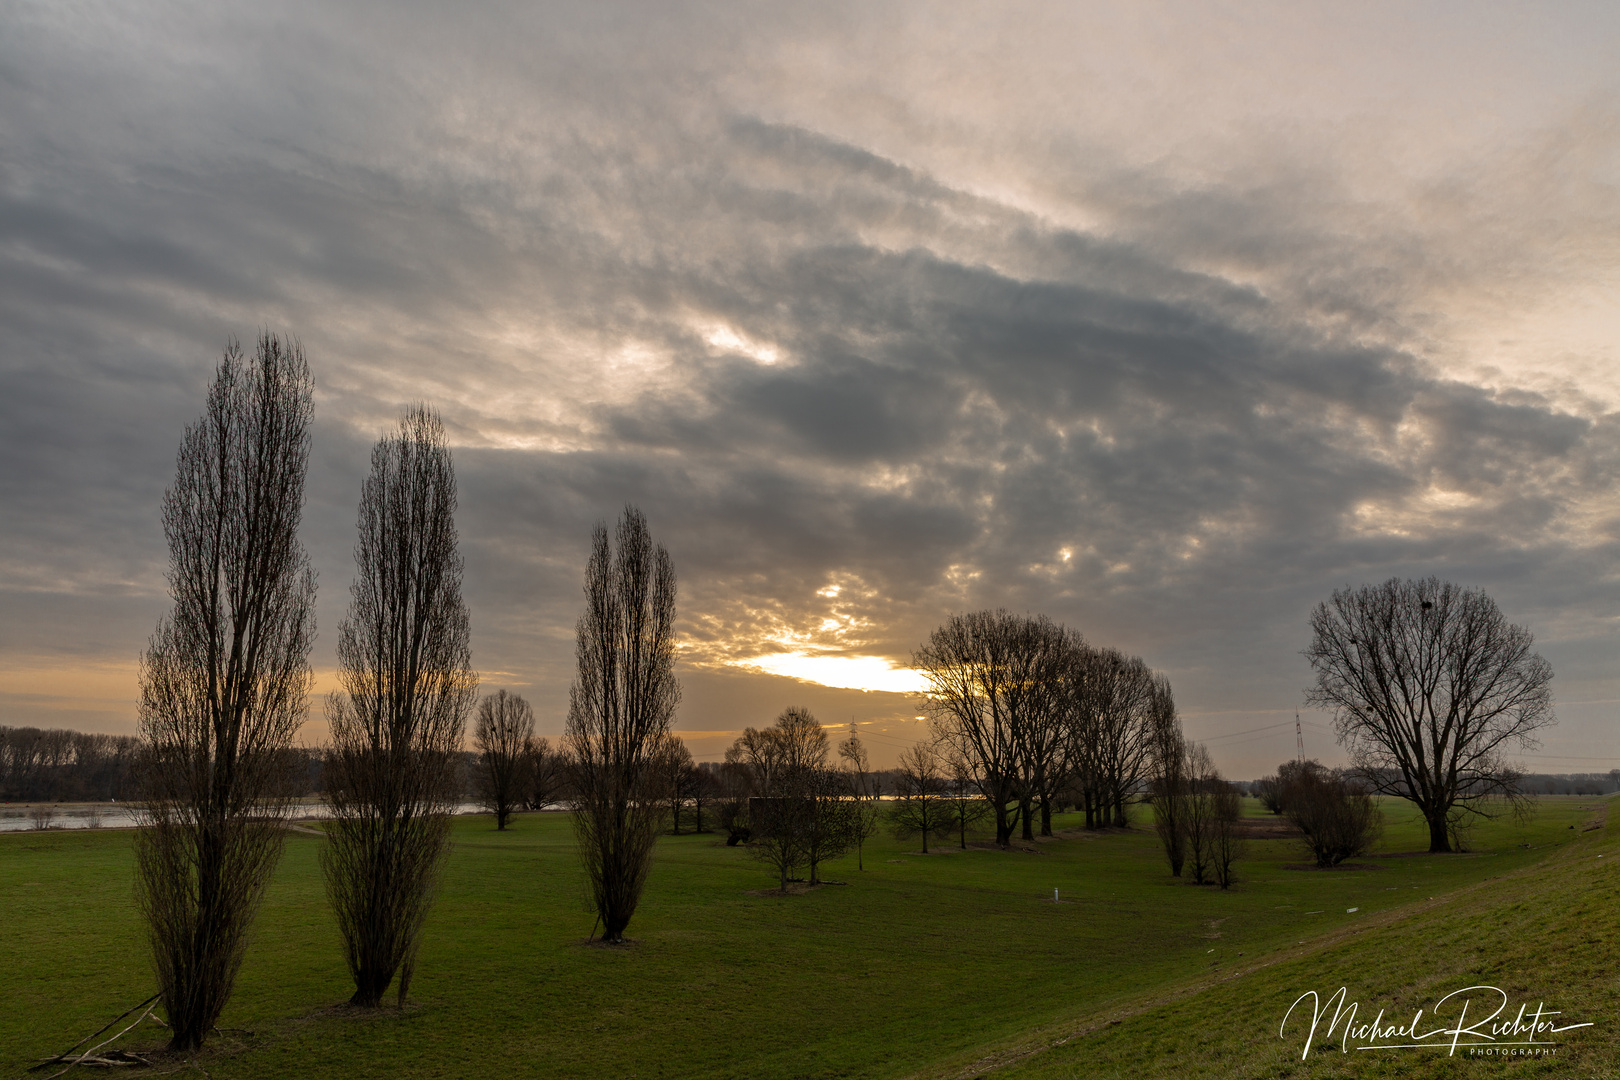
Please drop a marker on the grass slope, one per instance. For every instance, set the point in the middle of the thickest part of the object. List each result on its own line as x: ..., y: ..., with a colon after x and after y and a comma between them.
x: 921, y: 962
x: 1544, y: 933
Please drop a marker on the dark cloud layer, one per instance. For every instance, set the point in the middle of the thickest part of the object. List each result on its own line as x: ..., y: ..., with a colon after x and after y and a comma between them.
x: 852, y: 394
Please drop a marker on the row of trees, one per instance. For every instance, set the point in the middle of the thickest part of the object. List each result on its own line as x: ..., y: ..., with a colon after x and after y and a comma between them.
x: 1034, y: 717
x: 1196, y: 811
x: 225, y: 680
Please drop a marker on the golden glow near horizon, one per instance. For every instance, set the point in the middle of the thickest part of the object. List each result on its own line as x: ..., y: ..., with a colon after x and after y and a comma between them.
x: 831, y: 634
x: 842, y: 672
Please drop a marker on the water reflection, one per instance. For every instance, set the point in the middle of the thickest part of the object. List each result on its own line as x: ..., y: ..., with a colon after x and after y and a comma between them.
x: 19, y: 818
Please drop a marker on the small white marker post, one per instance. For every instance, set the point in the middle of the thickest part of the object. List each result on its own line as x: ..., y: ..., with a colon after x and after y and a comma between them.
x: 1054, y: 896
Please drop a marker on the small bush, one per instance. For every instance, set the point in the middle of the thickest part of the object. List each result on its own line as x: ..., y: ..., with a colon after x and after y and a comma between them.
x: 1337, y: 816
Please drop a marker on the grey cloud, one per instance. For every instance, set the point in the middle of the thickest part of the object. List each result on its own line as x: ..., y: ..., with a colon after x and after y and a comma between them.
x: 964, y: 388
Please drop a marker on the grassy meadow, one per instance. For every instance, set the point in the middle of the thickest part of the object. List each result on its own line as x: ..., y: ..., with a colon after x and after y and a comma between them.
x: 949, y: 964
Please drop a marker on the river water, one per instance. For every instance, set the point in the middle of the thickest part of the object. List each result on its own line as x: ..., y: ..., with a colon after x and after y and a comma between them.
x: 15, y: 817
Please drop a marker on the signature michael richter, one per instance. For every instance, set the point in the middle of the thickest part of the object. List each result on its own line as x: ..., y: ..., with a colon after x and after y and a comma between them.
x: 1524, y: 1030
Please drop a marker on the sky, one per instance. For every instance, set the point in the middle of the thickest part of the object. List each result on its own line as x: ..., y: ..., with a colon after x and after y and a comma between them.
x: 1165, y: 320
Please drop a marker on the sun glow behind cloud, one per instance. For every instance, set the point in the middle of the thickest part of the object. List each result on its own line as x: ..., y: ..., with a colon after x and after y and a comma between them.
x: 843, y: 672
x: 726, y: 339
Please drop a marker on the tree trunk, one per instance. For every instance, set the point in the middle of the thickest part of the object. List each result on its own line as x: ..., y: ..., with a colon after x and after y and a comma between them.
x: 1046, y: 817
x: 1438, y: 840
x: 369, y: 993
x: 1026, y: 812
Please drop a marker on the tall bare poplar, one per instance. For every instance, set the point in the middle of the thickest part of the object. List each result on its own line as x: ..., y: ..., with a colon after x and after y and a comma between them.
x: 619, y: 709
x: 224, y: 680
x: 504, y: 739
x: 404, y: 665
x: 1171, y: 780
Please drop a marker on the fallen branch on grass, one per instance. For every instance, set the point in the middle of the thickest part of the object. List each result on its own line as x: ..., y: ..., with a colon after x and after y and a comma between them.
x: 89, y: 1057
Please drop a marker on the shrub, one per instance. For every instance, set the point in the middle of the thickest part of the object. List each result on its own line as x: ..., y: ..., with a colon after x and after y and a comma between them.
x: 1337, y: 816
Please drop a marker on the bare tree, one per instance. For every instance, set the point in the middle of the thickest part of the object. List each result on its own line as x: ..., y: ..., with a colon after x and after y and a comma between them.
x: 758, y: 767
x: 920, y: 805
x: 619, y: 709
x: 674, y: 765
x: 1050, y: 753
x: 862, y: 786
x: 1199, y: 817
x: 1430, y: 687
x: 504, y: 738
x: 964, y: 806
x: 224, y: 679
x: 1208, y: 817
x: 699, y: 786
x: 733, y: 784
x: 1228, y: 845
x: 547, y: 773
x: 832, y: 819
x: 797, y: 815
x: 1117, y: 696
x: 992, y: 680
x: 1334, y: 811
x: 407, y: 685
x: 1170, y: 782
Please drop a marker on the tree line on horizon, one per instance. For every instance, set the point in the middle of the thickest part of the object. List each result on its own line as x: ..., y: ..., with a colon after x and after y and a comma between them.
x: 1026, y: 716
x: 64, y: 765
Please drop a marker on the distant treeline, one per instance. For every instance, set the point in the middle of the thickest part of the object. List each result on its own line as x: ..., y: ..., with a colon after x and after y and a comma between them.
x: 1572, y: 783
x: 1537, y: 783
x: 52, y: 765
x: 39, y: 765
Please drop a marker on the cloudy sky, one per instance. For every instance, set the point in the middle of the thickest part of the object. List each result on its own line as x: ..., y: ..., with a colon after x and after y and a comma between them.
x: 1163, y: 319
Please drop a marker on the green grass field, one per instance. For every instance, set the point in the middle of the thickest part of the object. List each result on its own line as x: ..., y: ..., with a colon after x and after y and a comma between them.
x: 939, y: 965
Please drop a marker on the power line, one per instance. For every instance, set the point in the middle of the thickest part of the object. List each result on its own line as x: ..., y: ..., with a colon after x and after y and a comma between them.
x: 1269, y: 727
x: 1250, y: 731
